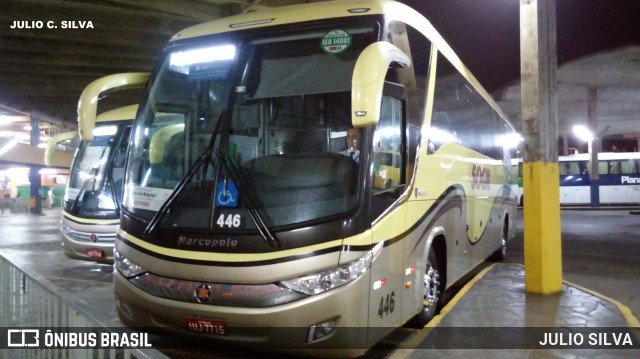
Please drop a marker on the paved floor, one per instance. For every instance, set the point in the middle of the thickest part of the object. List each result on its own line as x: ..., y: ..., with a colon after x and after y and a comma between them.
x: 492, y: 314
x: 495, y: 314
x: 33, y: 242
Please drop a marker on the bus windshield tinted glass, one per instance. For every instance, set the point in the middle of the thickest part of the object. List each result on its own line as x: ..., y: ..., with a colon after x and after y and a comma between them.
x: 279, y: 108
x: 90, y: 184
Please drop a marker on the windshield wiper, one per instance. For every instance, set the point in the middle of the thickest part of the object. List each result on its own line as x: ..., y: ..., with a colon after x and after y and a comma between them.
x: 250, y: 197
x: 83, y: 189
x: 204, y: 159
x: 164, y: 209
x: 92, y: 177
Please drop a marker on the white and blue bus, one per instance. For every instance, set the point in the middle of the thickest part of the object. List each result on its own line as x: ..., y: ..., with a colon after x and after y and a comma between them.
x: 619, y: 179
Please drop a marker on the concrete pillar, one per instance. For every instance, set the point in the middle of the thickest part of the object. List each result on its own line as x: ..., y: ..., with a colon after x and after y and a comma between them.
x: 542, y: 249
x: 565, y: 144
x: 595, y: 147
x: 35, y: 200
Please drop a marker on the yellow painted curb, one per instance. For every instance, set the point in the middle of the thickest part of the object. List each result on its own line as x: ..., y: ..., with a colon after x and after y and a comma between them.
x: 452, y: 303
x: 420, y: 335
x: 624, y: 310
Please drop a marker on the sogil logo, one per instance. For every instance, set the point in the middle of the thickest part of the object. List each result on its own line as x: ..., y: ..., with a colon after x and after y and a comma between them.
x: 480, y: 177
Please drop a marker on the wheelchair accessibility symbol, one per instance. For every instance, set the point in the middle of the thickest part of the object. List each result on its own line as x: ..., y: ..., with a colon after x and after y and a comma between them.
x: 226, y: 194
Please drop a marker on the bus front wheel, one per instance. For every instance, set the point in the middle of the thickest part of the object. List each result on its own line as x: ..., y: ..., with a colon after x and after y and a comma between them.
x: 432, y: 291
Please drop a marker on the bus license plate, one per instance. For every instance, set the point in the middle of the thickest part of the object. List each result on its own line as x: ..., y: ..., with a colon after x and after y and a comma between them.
x: 206, y: 326
x: 95, y: 253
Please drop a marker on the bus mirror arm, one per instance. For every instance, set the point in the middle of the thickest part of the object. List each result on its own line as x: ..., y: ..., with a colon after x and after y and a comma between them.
x: 50, y: 152
x: 367, y: 83
x: 88, y: 103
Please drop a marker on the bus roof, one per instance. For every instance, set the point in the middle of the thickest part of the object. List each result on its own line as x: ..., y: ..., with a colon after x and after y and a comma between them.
x: 291, y: 14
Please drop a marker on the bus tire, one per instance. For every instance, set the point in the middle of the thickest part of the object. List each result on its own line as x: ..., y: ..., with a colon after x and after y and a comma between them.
x: 501, y: 254
x: 432, y: 297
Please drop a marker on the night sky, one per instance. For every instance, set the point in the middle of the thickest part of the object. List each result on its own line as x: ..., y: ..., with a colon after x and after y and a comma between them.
x: 486, y: 33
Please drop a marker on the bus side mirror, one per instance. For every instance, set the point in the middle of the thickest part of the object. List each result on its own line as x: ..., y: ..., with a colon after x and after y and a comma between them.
x: 159, y: 141
x: 367, y: 83
x: 88, y: 104
x: 51, y: 156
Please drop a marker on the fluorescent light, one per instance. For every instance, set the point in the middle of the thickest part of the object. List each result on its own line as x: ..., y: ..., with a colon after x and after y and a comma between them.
x: 206, y: 54
x: 511, y: 140
x: 583, y: 133
x: 6, y: 120
x: 9, y: 145
x: 105, y: 130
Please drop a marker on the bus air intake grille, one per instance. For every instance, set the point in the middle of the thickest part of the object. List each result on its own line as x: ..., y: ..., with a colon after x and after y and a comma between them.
x: 228, y: 295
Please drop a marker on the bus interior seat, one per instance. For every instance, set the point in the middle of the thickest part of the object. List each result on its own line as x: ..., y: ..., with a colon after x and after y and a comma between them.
x: 290, y: 179
x: 299, y: 142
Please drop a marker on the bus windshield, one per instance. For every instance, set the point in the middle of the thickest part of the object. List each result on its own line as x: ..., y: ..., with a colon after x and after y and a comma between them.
x: 93, y: 182
x: 249, y: 123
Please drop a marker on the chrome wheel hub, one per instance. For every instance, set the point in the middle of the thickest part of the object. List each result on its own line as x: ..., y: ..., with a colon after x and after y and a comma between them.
x: 431, y: 286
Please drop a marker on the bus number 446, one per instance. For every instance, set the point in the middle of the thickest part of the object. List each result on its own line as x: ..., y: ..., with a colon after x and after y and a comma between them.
x: 387, y: 304
x: 229, y: 221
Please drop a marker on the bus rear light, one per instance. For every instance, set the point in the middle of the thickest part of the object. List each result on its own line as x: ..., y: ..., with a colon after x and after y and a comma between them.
x: 321, y: 330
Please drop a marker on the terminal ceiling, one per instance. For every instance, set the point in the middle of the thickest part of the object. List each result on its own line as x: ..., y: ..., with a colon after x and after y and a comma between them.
x: 615, y: 76
x: 44, y: 70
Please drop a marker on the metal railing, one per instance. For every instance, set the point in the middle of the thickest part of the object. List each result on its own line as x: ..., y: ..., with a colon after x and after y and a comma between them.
x: 29, y: 301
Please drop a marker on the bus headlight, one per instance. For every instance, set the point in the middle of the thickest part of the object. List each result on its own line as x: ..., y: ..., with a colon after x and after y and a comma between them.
x: 320, y: 282
x: 126, y: 267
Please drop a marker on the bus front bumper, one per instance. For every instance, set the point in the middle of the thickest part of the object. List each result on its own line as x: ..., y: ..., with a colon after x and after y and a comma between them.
x: 92, y: 243
x: 286, y: 326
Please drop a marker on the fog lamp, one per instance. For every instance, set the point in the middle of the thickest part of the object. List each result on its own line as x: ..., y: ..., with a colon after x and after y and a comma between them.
x: 321, y: 330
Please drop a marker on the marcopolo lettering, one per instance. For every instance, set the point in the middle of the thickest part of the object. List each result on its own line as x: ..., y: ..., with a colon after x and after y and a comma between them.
x: 207, y: 242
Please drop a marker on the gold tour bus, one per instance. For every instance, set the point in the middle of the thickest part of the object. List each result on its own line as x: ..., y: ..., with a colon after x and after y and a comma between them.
x: 245, y: 211
x: 91, y: 207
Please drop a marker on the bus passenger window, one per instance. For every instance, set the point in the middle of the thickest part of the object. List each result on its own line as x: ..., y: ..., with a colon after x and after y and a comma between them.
x: 628, y: 167
x: 614, y: 167
x: 603, y: 167
x: 584, y: 169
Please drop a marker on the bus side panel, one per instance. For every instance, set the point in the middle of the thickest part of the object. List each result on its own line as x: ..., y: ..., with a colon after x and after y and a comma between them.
x: 416, y: 259
x: 613, y: 194
x: 386, y: 287
x: 575, y: 195
x: 633, y: 194
x: 442, y: 180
